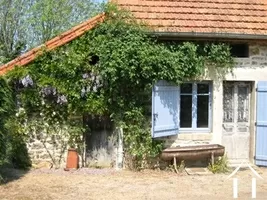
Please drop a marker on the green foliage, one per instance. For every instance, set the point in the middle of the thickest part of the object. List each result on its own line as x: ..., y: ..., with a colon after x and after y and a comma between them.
x: 218, y: 55
x: 6, y: 110
x: 28, y: 23
x: 137, y: 138
x: 48, y: 18
x: 12, y: 145
x: 1, y: 179
x: 220, y: 165
x: 181, y: 166
x: 109, y: 70
x: 11, y: 32
x: 18, y: 153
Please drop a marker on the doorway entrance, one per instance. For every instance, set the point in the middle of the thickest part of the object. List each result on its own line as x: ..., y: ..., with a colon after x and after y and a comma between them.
x: 236, y: 120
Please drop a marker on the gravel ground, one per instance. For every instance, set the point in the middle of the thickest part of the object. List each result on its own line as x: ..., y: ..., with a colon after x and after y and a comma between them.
x: 108, y: 184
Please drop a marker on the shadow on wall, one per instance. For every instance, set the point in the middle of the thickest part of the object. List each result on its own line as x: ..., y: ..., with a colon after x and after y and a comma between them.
x: 217, y: 74
x: 101, y: 142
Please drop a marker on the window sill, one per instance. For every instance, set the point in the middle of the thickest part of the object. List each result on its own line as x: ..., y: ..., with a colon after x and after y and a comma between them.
x: 199, y: 130
x: 195, y: 136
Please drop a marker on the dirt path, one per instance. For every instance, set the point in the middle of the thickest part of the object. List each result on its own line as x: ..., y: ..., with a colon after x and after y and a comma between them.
x: 108, y: 184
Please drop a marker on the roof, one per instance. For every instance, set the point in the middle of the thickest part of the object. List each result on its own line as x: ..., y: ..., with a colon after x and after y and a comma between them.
x: 201, y: 16
x: 53, y: 43
x: 208, y: 18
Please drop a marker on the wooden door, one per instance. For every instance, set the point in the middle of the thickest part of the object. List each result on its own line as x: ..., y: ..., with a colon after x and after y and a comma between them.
x: 236, y: 120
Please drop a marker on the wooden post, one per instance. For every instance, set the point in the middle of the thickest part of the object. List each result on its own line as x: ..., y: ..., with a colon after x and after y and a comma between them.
x: 212, y: 158
x: 119, y: 156
x: 175, y: 164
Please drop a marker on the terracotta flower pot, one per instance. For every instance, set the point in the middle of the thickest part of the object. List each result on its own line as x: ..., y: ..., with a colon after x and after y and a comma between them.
x: 72, y: 159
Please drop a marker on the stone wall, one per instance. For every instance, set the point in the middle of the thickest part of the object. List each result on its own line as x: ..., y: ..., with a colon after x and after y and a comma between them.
x: 101, y: 146
x: 184, y: 139
x: 101, y: 141
x: 257, y: 58
x: 50, y: 149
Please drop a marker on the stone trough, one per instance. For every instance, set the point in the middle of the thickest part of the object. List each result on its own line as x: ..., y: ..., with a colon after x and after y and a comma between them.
x: 194, y: 152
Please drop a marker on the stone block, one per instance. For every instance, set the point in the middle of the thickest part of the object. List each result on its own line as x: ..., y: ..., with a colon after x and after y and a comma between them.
x: 255, y: 50
x: 258, y: 58
x: 38, y: 145
x: 254, y: 63
x: 44, y: 156
x: 43, y: 165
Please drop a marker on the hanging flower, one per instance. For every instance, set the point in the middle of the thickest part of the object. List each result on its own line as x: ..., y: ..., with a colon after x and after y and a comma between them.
x: 83, y: 92
x: 27, y: 81
x: 49, y: 90
x: 62, y: 99
x: 85, y: 75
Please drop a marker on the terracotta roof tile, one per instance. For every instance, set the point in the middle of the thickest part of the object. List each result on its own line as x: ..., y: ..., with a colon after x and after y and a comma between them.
x: 207, y: 16
x: 53, y: 43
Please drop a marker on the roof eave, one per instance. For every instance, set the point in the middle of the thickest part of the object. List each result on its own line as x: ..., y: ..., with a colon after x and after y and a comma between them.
x: 211, y: 35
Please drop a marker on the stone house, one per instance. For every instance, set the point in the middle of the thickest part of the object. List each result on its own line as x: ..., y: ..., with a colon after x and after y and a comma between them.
x: 231, y: 110
x: 101, y: 143
x: 228, y: 110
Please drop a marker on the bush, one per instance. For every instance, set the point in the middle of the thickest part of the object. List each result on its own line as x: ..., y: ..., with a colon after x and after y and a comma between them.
x: 220, y: 165
x: 18, y: 154
x: 6, y: 108
x: 13, y: 150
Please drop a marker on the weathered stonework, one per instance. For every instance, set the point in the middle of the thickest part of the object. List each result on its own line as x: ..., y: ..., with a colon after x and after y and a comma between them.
x: 48, y: 149
x: 184, y: 139
x: 101, y: 149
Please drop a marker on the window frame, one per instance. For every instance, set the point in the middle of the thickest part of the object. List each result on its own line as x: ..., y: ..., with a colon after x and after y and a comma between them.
x: 194, y: 108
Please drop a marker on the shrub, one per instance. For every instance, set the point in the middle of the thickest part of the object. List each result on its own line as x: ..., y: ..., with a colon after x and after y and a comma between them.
x: 220, y: 165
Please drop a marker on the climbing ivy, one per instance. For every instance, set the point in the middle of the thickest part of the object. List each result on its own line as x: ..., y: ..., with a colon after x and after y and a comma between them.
x: 110, y: 70
x: 13, y: 150
x: 6, y: 107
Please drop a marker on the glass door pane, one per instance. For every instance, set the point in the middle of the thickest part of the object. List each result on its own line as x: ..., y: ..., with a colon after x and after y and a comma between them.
x: 242, y: 106
x: 228, y: 102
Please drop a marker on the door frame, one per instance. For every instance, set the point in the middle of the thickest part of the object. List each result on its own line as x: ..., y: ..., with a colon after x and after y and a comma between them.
x: 253, y: 107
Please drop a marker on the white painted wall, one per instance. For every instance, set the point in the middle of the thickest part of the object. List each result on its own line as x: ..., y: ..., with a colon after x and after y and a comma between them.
x: 252, y: 69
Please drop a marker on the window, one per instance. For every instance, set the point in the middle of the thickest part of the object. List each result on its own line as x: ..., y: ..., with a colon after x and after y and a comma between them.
x: 195, y: 106
x: 184, y: 108
x: 239, y: 50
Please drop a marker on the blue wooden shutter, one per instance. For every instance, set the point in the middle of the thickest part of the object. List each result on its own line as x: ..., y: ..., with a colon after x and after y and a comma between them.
x: 261, y: 125
x: 165, y: 109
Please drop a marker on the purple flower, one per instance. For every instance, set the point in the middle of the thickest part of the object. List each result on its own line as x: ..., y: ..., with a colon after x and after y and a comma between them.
x: 27, y: 81
x: 49, y: 90
x: 85, y: 75
x: 62, y: 99
x: 83, y: 92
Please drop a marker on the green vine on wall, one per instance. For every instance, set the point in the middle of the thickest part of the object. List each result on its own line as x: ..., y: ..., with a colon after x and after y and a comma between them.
x: 6, y: 111
x: 111, y: 70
